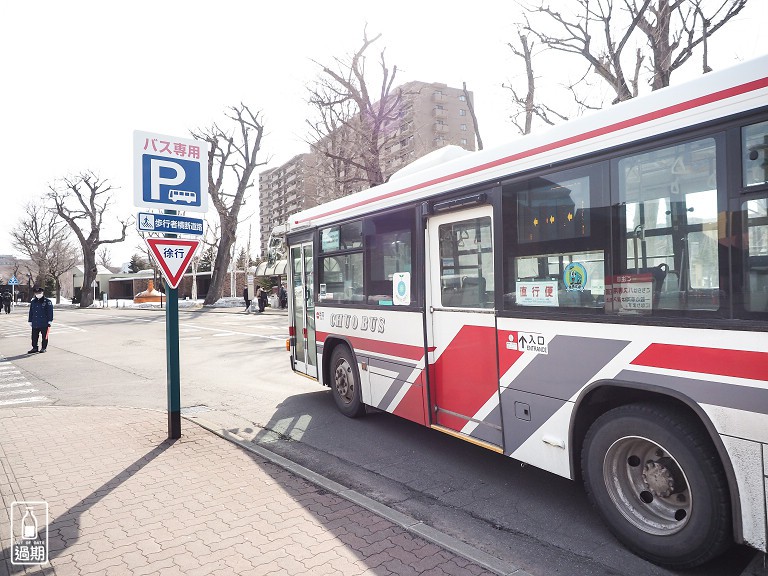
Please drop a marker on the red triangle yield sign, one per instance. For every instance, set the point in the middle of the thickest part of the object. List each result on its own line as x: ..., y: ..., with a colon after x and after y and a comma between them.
x: 173, y: 256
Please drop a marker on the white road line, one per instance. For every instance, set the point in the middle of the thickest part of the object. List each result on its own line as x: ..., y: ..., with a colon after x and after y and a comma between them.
x: 23, y: 400
x: 224, y: 334
x: 240, y: 333
x: 15, y: 384
x: 12, y: 378
x: 191, y: 338
x: 14, y: 392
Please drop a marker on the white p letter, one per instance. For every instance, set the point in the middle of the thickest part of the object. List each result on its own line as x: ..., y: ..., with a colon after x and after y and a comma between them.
x: 156, y: 181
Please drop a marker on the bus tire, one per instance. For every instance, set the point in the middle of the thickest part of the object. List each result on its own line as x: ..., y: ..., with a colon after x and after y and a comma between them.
x: 345, y: 383
x: 657, y: 481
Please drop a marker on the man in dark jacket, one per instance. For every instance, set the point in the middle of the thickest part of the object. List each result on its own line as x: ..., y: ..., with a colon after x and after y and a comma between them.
x: 41, y: 318
x: 7, y: 298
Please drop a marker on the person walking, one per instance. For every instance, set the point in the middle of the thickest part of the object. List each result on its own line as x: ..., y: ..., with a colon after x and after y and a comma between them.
x: 40, y: 318
x: 7, y: 302
x: 283, y: 296
x: 245, y: 297
x: 262, y: 299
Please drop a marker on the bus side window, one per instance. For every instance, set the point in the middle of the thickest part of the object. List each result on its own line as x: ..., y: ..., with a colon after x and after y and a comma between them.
x: 756, y: 254
x: 668, y: 217
x: 754, y: 145
x: 556, y: 239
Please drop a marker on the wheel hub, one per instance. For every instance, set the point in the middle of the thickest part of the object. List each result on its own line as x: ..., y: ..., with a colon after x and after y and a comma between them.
x: 343, y: 385
x: 659, y: 479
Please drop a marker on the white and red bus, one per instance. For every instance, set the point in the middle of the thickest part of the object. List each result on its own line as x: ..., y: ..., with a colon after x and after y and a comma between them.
x: 591, y: 300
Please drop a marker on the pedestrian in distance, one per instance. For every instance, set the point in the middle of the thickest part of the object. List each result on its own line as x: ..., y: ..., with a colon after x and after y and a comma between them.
x: 7, y: 298
x: 245, y: 297
x: 40, y: 318
x: 283, y: 296
x: 262, y: 299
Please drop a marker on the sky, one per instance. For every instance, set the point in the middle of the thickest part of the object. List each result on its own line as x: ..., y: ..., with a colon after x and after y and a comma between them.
x: 79, y: 77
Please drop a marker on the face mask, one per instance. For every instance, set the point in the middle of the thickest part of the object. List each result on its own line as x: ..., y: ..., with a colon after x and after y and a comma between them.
x: 38, y: 295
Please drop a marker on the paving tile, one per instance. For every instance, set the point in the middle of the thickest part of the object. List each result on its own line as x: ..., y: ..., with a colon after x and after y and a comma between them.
x: 126, y: 501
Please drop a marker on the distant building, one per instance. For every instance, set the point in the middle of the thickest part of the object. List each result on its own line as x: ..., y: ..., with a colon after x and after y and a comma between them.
x: 432, y: 115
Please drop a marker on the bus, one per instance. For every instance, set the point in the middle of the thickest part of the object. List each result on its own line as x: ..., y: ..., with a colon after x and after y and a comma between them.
x: 591, y: 300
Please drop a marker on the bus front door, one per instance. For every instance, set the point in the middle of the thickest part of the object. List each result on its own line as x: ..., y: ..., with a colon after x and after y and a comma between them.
x: 303, y: 350
x: 464, y: 384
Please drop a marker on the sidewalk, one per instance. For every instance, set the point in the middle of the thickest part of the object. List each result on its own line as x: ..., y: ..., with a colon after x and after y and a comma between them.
x: 125, y: 500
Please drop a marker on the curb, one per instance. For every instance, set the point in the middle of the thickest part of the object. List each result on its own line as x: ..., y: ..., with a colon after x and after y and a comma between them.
x: 408, y: 523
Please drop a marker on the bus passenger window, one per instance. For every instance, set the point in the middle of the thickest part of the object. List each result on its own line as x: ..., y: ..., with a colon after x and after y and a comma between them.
x: 754, y: 144
x: 555, y: 256
x: 388, y: 256
x: 341, y: 278
x: 756, y: 285
x: 668, y: 216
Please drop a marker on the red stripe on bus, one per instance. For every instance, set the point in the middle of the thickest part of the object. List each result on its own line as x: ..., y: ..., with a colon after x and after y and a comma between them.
x: 734, y: 363
x: 655, y: 115
x: 380, y: 347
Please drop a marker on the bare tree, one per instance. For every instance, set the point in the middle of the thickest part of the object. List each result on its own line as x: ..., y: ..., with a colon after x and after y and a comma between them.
x: 527, y: 106
x: 354, y: 120
x: 471, y: 106
x: 621, y: 41
x: 104, y: 257
x: 37, y: 230
x: 231, y: 153
x: 82, y: 201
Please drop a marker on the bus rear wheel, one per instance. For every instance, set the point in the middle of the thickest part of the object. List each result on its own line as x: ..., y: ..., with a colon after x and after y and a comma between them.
x: 657, y: 481
x: 345, y: 382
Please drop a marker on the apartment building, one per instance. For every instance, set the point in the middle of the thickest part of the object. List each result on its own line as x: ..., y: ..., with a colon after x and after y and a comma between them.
x: 430, y: 116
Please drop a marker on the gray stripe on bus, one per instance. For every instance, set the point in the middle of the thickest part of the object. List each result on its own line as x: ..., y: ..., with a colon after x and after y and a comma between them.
x: 571, y: 363
x: 399, y: 380
x: 551, y: 379
x: 488, y: 430
x: 715, y: 393
x: 518, y: 429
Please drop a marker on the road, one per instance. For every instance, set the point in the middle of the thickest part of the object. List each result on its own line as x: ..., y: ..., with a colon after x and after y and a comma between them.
x: 235, y: 374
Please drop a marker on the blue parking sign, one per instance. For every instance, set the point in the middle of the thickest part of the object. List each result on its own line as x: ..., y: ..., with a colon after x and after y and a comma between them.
x: 170, y: 173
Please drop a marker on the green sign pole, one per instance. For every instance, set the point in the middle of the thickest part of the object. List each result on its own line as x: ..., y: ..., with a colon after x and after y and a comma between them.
x: 173, y: 370
x: 172, y: 353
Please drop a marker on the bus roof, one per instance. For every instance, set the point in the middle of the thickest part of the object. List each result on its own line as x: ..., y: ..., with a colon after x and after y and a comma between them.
x: 718, y: 94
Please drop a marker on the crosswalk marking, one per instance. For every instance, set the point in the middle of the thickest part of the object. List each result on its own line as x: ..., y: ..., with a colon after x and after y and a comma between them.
x: 25, y: 391
x: 15, y: 384
x: 23, y: 400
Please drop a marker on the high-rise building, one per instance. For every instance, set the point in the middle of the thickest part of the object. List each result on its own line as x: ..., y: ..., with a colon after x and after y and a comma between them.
x: 430, y: 116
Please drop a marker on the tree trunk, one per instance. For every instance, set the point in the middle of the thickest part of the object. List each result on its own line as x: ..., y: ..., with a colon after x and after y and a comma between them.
x: 89, y: 275
x: 220, y: 267
x: 58, y: 289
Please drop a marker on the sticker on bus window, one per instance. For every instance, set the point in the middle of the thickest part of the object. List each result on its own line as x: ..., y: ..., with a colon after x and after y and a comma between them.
x: 401, y: 288
x: 629, y: 293
x: 575, y: 277
x: 537, y: 293
x: 323, y: 291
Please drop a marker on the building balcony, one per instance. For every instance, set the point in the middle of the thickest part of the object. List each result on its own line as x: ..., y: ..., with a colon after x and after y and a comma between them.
x: 439, y: 97
x: 439, y: 112
x: 441, y: 128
